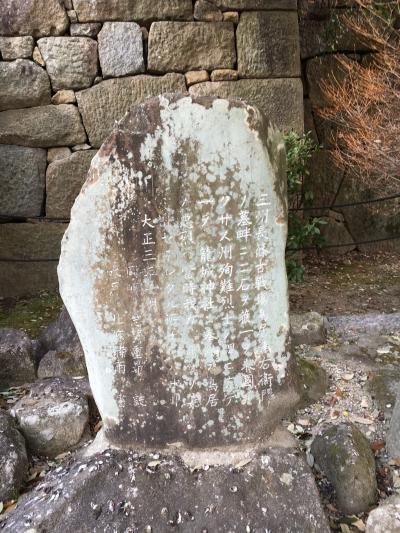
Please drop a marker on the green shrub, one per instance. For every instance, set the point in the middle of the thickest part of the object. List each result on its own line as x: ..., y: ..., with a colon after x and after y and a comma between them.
x: 303, y: 230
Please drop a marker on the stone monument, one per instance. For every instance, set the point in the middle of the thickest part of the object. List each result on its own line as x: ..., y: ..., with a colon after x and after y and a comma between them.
x: 173, y: 272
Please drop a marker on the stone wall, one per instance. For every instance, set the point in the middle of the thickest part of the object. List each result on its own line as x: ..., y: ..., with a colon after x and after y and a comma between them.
x: 323, y: 40
x: 70, y: 69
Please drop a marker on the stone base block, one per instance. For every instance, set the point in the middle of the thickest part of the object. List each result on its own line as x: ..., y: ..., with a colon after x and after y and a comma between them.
x: 122, y: 491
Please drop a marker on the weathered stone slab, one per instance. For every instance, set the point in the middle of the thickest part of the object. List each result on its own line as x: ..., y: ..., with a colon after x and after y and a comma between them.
x: 22, y: 180
x: 106, y: 103
x: 64, y: 179
x: 280, y: 100
x: 23, y: 84
x: 70, y: 61
x: 246, y: 5
x: 51, y: 125
x: 120, y: 49
x: 139, y: 11
x: 207, y: 11
x: 16, y: 47
x: 275, y: 492
x: 29, y: 241
x: 184, y: 46
x: 170, y: 269
x: 33, y: 17
x: 268, y: 45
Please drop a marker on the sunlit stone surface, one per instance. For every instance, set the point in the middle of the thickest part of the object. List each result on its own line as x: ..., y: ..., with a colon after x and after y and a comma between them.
x: 173, y: 272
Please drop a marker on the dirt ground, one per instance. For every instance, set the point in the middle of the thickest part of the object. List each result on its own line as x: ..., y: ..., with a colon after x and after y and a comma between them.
x: 356, y: 283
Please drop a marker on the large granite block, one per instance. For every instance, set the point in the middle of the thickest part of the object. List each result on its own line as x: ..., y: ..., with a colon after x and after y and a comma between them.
x: 281, y: 100
x: 50, y: 125
x: 70, y: 61
x: 23, y: 84
x: 268, y: 45
x: 104, y: 104
x: 184, y: 46
x: 22, y: 180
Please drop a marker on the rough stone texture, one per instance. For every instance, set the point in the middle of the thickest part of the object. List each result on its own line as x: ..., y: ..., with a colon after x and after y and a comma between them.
x: 231, y: 16
x: 17, y: 364
x: 393, y: 435
x: 320, y: 70
x: 344, y: 455
x: 37, y: 57
x: 308, y: 328
x: 167, y: 365
x: 16, y: 47
x: 280, y: 100
x: 334, y: 232
x: 29, y: 241
x: 275, y: 492
x: 317, y: 37
x: 65, y: 96
x: 224, y: 74
x: 196, y: 76
x: 23, y: 84
x: 61, y: 337
x: 313, y: 379
x: 268, y: 45
x: 55, y: 154
x: 88, y: 29
x: 22, y: 180
x: 120, y: 49
x: 52, y: 417
x: 33, y: 17
x: 183, y: 46
x: 106, y: 103
x: 70, y: 61
x: 386, y: 517
x: 55, y: 364
x: 13, y: 459
x: 44, y: 126
x: 246, y: 5
x: 64, y: 180
x: 206, y: 10
x: 139, y: 11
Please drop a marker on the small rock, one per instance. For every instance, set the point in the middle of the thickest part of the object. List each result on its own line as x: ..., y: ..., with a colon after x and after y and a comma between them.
x: 308, y: 328
x: 72, y: 16
x: 344, y: 456
x: 65, y: 96
x: 16, y: 47
x: 80, y: 147
x: 55, y: 154
x: 386, y: 517
x: 13, y: 458
x: 224, y: 74
x: 393, y: 435
x: 196, y: 76
x: 60, y: 338
x: 207, y: 11
x: 53, y: 416
x: 16, y: 358
x: 61, y: 364
x: 231, y: 16
x: 37, y: 57
x: 120, y: 49
x: 86, y: 29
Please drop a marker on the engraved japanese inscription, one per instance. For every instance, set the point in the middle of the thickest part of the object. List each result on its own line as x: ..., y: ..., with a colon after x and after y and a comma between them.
x: 173, y: 272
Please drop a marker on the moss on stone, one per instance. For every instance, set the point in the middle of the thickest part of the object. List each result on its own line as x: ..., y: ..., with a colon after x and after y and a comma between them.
x: 33, y: 314
x: 313, y: 380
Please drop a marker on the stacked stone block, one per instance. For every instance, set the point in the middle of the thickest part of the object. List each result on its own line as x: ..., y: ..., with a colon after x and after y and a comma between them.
x: 70, y: 69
